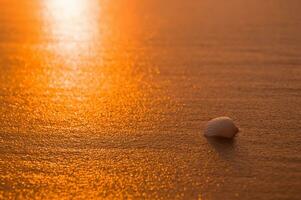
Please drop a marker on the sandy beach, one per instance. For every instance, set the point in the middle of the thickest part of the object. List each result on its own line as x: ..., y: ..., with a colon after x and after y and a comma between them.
x: 109, y: 99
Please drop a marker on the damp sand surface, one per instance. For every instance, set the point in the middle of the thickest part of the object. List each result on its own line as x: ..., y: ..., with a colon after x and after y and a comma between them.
x: 108, y: 99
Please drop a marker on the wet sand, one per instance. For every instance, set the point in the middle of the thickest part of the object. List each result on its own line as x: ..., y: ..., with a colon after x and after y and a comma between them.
x: 109, y: 100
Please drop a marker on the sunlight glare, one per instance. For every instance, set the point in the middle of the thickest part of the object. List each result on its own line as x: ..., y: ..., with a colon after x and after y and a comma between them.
x: 73, y: 24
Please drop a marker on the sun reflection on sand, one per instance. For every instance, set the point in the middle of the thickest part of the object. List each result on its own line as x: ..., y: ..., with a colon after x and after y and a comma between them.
x: 72, y: 24
x: 76, y: 92
x: 72, y: 29
x: 78, y: 76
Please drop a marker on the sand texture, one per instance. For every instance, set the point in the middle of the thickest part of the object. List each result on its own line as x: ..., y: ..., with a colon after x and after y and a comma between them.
x: 109, y: 99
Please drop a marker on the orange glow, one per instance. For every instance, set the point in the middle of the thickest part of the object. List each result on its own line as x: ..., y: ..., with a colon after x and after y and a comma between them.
x: 109, y: 99
x: 79, y: 73
x: 72, y: 24
x: 73, y: 28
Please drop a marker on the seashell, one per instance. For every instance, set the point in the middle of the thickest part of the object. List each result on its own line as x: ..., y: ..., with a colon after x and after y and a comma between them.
x: 221, y: 127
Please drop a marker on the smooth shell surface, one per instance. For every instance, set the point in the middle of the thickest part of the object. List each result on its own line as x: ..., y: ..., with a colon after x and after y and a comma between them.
x: 221, y: 127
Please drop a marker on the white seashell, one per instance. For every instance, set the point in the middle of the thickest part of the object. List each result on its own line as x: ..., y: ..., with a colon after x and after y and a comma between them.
x: 221, y: 127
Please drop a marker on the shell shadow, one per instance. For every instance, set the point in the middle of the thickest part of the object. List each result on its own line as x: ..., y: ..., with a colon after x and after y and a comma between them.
x: 230, y: 151
x: 226, y: 148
